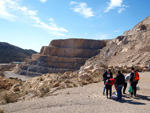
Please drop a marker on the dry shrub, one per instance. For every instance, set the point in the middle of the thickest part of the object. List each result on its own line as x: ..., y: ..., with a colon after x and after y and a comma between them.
x: 70, y: 86
x: 16, y: 89
x: 16, y: 79
x: 67, y: 81
x: 10, y: 97
x: 41, y: 79
x: 74, y: 84
x: 84, y: 83
x: 44, y: 91
x: 2, y: 111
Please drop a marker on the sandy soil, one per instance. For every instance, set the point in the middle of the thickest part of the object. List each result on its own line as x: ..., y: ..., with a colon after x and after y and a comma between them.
x: 87, y: 99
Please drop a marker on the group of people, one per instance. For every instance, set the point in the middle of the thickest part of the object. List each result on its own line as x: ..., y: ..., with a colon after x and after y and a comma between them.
x: 120, y: 81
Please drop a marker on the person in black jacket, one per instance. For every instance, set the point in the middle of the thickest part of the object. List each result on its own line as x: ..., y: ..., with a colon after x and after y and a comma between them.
x: 133, y: 82
x: 119, y: 84
x: 106, y: 76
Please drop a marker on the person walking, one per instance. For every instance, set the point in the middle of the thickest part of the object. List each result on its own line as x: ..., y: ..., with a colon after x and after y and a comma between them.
x: 134, y: 81
x: 119, y: 84
x: 106, y: 76
x: 108, y: 86
x: 127, y: 78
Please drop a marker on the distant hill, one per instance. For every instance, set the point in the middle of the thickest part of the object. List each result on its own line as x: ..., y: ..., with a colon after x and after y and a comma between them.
x: 10, y: 53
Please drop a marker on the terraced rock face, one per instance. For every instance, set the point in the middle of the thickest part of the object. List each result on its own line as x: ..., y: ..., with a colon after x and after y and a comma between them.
x: 61, y: 56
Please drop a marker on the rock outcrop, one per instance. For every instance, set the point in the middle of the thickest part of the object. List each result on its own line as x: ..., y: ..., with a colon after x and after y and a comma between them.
x: 130, y: 49
x: 61, y: 56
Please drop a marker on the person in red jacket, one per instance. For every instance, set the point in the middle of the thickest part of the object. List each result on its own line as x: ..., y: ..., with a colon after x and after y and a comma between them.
x: 108, y: 86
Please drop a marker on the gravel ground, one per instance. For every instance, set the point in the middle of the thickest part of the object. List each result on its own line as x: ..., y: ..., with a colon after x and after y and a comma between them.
x: 87, y: 99
x: 9, y: 74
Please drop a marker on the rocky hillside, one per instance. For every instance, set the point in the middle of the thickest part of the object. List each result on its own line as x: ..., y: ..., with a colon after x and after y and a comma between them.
x: 61, y: 56
x: 130, y: 49
x: 10, y: 53
x: 15, y: 89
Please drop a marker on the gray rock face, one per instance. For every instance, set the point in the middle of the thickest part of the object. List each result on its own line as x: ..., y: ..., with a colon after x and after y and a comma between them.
x: 61, y: 56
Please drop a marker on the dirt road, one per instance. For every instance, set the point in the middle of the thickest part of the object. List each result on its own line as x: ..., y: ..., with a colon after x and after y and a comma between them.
x: 9, y: 74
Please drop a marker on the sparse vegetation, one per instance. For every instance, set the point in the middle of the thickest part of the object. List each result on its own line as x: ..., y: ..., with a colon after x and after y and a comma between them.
x: 2, y: 111
x: 43, y: 85
x: 41, y: 79
x: 8, y: 97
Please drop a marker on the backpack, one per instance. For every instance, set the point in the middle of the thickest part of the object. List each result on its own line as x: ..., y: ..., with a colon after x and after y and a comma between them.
x: 137, y: 77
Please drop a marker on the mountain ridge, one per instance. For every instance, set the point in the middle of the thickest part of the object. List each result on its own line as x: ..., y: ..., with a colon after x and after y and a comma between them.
x: 10, y: 53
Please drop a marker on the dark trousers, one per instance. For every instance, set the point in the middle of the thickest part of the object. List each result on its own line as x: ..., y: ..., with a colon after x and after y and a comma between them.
x: 108, y: 88
x: 104, y: 88
x: 119, y: 91
x: 124, y: 87
x: 133, y: 84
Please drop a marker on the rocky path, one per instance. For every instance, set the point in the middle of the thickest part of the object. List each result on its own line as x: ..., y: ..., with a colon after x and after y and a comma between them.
x: 87, y: 99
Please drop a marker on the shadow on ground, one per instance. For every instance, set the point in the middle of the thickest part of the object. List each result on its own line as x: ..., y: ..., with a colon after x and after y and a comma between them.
x: 129, y: 100
x: 142, y: 97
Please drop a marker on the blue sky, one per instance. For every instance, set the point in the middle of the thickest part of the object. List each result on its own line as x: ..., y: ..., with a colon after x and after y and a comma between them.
x: 31, y: 24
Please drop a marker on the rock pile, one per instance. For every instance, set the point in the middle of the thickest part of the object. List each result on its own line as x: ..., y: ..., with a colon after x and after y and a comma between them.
x: 61, y: 56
